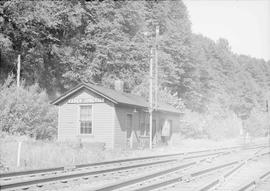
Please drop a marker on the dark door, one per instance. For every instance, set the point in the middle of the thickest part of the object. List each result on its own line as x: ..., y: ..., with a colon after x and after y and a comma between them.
x: 129, y: 125
x: 154, y: 128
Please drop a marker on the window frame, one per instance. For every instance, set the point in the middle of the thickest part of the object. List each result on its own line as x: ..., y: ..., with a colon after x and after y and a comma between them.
x: 92, y: 120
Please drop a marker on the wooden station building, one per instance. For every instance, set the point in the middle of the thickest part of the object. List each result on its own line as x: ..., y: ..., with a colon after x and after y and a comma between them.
x: 94, y: 113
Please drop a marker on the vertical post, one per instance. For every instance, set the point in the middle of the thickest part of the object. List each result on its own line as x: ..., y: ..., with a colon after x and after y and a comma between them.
x: 267, y: 110
x: 156, y: 67
x: 19, y: 153
x: 18, y: 70
x: 151, y: 98
x: 131, y: 140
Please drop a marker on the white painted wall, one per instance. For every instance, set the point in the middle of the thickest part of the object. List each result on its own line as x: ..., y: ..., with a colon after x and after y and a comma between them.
x: 102, y: 121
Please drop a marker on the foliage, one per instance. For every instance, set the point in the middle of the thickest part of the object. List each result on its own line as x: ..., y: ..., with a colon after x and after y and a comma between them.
x: 224, y: 82
x: 192, y: 124
x: 258, y: 123
x: 66, y: 42
x: 164, y: 95
x: 210, y: 125
x: 62, y: 43
x: 26, y: 111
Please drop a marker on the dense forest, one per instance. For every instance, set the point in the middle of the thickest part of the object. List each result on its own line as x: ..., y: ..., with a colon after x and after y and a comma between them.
x: 62, y: 43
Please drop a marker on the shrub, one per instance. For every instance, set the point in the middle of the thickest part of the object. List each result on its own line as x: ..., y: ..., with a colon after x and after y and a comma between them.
x: 191, y: 125
x: 26, y: 111
x: 213, y: 126
x: 258, y: 123
x: 218, y: 127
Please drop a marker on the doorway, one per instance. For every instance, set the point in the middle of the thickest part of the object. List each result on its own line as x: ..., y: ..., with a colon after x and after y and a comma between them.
x: 129, y: 125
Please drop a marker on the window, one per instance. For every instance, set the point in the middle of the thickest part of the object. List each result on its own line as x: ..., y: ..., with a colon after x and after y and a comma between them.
x: 86, y: 119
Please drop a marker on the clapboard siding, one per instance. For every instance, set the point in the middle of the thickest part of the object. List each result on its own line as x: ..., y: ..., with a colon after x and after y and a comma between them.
x: 109, y: 120
x: 67, y: 126
x: 120, y: 134
x: 103, y: 124
x: 102, y: 120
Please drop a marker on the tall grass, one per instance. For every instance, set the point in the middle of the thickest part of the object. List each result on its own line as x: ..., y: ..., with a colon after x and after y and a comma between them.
x: 44, y: 154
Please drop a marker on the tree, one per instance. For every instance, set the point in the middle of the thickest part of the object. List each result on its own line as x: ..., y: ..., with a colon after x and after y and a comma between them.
x: 26, y: 111
x: 36, y: 30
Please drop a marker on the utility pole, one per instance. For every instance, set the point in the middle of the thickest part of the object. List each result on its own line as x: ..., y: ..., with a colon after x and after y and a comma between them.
x: 156, y: 66
x: 151, y: 85
x: 18, y: 70
x: 151, y: 99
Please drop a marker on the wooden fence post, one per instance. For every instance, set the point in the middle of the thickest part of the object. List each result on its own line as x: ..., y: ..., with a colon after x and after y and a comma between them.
x: 19, y: 153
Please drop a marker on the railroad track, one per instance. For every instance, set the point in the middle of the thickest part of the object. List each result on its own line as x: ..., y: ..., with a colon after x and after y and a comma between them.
x: 40, y: 177
x: 253, y: 183
x: 227, y: 177
x: 247, y: 177
x: 101, y: 172
x: 167, y: 179
x: 264, y: 182
x: 100, y: 164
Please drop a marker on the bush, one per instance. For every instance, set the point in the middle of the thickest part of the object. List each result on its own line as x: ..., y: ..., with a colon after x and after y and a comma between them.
x: 220, y: 127
x: 26, y: 111
x: 213, y: 126
x: 191, y: 125
x: 258, y: 123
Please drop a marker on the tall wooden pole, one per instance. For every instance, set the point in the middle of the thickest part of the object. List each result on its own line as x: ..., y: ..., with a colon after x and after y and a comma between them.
x: 151, y: 99
x: 18, y: 70
x: 156, y: 67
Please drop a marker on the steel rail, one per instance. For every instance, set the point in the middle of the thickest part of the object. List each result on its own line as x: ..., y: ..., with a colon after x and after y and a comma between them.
x: 143, y: 178
x: 45, y: 170
x: 253, y: 183
x: 178, y: 179
x: 170, y: 181
x: 215, y: 182
x: 165, y: 183
x: 64, y: 177
x: 82, y: 174
x: 151, y: 176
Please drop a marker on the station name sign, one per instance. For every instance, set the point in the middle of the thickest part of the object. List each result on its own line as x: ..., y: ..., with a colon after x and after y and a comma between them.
x: 85, y: 100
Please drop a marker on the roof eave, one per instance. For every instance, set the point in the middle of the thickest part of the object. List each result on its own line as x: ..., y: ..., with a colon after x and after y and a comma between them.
x: 76, y: 88
x: 66, y: 94
x: 144, y: 107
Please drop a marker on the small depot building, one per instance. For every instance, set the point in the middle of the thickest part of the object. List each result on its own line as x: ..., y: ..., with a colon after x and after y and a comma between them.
x: 92, y: 113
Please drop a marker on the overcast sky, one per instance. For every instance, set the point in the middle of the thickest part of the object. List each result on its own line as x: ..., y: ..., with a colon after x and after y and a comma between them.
x: 244, y: 23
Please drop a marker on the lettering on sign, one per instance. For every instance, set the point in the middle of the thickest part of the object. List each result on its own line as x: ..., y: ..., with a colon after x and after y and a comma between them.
x: 86, y: 100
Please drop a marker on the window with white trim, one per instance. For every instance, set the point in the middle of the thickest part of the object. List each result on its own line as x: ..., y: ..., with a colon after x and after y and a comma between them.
x: 85, y: 119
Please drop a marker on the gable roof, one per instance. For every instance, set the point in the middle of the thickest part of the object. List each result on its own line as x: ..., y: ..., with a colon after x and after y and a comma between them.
x: 117, y: 97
